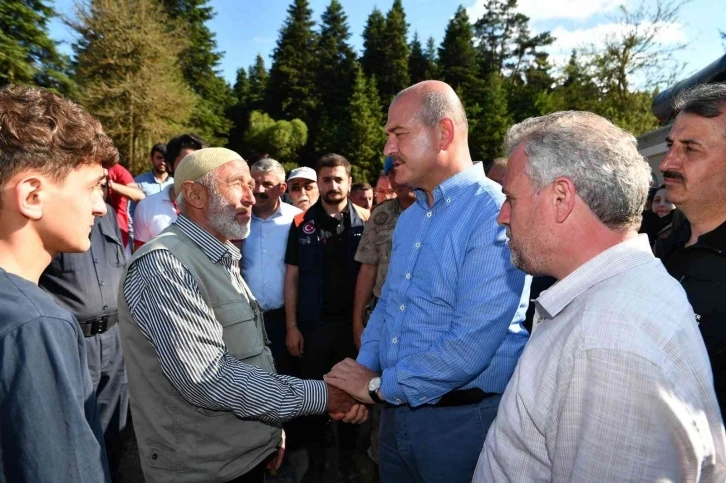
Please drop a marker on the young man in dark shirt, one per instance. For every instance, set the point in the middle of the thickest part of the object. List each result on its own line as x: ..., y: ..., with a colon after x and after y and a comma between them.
x: 52, y: 154
x: 319, y: 284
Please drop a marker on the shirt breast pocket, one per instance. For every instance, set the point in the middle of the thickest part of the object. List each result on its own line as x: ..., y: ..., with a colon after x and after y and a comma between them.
x: 113, y: 248
x: 241, y: 335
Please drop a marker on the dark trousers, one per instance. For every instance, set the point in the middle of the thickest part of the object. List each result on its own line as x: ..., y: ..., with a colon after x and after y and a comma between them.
x: 284, y: 364
x: 255, y: 475
x: 326, y: 344
x: 434, y: 444
x: 276, y: 332
x: 108, y: 373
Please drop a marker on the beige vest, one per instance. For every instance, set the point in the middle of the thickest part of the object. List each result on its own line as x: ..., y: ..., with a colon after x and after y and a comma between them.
x: 179, y: 442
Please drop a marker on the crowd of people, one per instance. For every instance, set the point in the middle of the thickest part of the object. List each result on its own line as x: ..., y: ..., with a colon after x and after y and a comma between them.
x: 470, y: 324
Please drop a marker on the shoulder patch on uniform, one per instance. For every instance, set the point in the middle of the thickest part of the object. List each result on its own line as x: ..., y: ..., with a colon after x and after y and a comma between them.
x: 380, y: 218
x: 308, y: 228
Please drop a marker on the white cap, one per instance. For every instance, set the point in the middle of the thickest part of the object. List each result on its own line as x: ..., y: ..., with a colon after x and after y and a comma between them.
x: 304, y: 173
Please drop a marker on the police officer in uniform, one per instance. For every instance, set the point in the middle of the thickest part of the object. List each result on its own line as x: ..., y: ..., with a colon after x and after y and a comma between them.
x: 87, y: 285
x: 319, y: 286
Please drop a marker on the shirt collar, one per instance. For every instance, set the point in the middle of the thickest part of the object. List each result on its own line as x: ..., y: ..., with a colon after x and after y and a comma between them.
x: 211, y: 247
x: 453, y: 186
x: 619, y: 258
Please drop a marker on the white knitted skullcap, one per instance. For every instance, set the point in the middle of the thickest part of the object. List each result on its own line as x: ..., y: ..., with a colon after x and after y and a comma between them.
x: 195, y: 165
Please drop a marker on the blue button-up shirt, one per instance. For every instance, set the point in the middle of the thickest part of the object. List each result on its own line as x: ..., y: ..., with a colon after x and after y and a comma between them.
x: 450, y: 313
x: 263, y: 256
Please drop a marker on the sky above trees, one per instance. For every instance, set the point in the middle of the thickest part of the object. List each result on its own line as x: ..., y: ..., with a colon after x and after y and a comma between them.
x: 245, y: 28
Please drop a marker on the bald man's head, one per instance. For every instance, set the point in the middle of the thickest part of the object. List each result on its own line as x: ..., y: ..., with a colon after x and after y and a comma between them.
x: 437, y: 100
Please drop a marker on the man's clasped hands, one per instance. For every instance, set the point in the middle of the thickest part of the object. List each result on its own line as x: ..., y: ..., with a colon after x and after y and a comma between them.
x: 348, y: 391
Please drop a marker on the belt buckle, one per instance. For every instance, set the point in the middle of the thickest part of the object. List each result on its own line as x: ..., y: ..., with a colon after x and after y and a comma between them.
x: 99, y: 325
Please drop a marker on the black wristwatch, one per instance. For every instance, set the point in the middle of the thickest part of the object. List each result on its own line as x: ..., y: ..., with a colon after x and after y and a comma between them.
x: 373, y: 386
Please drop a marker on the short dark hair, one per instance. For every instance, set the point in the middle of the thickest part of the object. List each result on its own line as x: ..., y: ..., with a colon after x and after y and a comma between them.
x: 158, y: 148
x: 43, y: 131
x: 361, y: 187
x: 175, y: 146
x: 705, y: 100
x: 332, y: 160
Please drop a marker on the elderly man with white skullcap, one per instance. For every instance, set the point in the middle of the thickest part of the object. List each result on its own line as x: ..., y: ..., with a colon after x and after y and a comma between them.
x: 206, y: 402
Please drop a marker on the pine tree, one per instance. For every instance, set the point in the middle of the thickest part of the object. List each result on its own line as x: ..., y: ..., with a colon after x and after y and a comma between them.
x: 394, y: 77
x: 336, y: 71
x: 504, y: 40
x: 432, y: 59
x: 366, y: 134
x: 128, y: 74
x: 533, y: 96
x: 27, y: 54
x: 239, y: 112
x: 420, y: 64
x: 577, y: 89
x: 258, y: 76
x: 457, y: 57
x: 199, y: 63
x: 291, y: 87
x: 373, y: 59
x: 489, y: 119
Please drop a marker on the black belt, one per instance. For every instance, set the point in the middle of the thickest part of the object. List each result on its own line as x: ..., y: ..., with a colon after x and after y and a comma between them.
x: 98, y: 325
x: 277, y: 313
x: 462, y: 397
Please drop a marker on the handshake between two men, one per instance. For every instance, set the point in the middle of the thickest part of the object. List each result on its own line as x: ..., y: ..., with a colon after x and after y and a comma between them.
x: 348, y: 391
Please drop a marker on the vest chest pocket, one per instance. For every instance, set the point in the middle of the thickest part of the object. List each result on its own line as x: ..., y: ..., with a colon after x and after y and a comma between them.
x: 241, y: 332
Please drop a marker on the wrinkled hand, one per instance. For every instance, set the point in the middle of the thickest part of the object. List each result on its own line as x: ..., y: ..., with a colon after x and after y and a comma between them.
x: 353, y: 378
x: 274, y: 464
x: 342, y: 407
x: 294, y: 341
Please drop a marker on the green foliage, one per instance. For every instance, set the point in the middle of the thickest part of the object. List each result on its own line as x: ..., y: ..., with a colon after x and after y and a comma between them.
x: 336, y: 70
x: 532, y: 96
x: 281, y: 140
x: 504, y: 39
x: 373, y: 59
x: 128, y: 74
x: 27, y: 54
x: 489, y: 119
x: 421, y: 63
x: 258, y: 76
x: 366, y: 134
x: 199, y: 60
x: 394, y: 77
x: 291, y: 89
x: 239, y: 112
x: 457, y: 57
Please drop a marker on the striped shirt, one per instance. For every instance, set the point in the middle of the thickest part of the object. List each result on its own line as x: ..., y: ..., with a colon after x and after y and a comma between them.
x: 451, y: 309
x: 165, y: 301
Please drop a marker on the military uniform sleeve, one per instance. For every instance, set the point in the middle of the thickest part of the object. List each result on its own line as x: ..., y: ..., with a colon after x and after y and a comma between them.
x: 367, y: 252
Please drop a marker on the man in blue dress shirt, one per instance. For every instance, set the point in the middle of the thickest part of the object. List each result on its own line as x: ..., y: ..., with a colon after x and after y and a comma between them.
x: 446, y: 334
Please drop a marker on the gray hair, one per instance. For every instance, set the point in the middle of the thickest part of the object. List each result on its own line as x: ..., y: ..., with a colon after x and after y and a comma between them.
x: 208, y: 180
x: 601, y: 159
x: 435, y: 106
x: 705, y: 100
x: 268, y: 165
